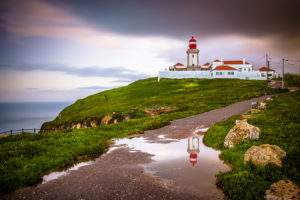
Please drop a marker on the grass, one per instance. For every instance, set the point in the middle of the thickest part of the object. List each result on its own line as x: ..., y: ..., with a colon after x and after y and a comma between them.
x: 193, y: 95
x: 291, y: 80
x: 279, y: 125
x: 25, y: 158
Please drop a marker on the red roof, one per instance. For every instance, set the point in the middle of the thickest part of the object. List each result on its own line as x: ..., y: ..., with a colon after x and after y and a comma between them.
x: 178, y: 64
x: 265, y: 69
x: 192, y: 39
x: 233, y: 62
x: 207, y: 64
x: 224, y: 67
x: 217, y: 60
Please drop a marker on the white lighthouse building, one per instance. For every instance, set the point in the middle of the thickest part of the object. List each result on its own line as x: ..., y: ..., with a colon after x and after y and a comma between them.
x: 193, y: 55
x: 193, y: 149
x: 239, y: 69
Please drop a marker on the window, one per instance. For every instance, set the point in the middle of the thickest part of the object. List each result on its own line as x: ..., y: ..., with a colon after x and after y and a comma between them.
x: 248, y: 69
x: 240, y: 69
x: 245, y: 69
x: 218, y: 73
x: 230, y: 73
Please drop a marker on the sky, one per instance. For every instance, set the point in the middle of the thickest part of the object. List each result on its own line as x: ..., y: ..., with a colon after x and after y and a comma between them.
x: 62, y: 50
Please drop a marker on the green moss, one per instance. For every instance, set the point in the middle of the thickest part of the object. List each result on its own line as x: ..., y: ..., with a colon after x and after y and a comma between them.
x: 279, y: 125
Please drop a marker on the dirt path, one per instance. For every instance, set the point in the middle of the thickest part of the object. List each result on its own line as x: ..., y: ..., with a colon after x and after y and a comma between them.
x: 119, y: 174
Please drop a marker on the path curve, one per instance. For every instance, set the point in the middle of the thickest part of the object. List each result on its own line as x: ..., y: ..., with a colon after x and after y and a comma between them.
x: 119, y: 174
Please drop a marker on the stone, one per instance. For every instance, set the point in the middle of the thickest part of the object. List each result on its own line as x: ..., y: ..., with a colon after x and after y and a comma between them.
x: 105, y: 120
x: 94, y: 123
x: 264, y: 154
x: 78, y: 125
x: 115, y: 121
x: 255, y: 111
x: 85, y: 123
x: 240, y: 132
x: 283, y: 190
x: 262, y: 105
x: 127, y: 117
x: 73, y: 125
x: 4, y: 135
x: 269, y: 99
x: 248, y: 117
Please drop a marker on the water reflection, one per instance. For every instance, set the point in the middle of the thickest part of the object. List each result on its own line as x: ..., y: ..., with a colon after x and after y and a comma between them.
x: 193, y: 149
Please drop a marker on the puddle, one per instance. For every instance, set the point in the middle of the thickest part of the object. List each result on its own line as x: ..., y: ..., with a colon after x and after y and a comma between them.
x: 55, y: 175
x: 187, y: 162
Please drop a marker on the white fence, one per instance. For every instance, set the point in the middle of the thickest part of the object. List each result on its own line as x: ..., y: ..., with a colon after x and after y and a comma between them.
x: 207, y: 75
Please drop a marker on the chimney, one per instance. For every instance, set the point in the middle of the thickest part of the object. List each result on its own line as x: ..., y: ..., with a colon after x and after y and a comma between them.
x: 244, y: 61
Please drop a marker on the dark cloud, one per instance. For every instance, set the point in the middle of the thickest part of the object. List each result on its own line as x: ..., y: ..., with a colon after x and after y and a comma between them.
x: 181, y: 18
x: 94, y: 71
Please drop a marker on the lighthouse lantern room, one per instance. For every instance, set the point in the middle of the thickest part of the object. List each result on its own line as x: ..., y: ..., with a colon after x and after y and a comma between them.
x: 193, y: 55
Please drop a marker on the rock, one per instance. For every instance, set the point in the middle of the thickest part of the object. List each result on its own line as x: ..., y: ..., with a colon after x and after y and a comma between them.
x: 269, y: 99
x: 115, y: 121
x: 73, y: 125
x: 248, y: 117
x: 255, y: 111
x: 85, y: 123
x: 264, y: 154
x: 240, y: 132
x: 78, y: 125
x: 4, y: 135
x: 262, y: 105
x: 127, y: 117
x: 105, y: 120
x: 94, y: 123
x: 283, y: 190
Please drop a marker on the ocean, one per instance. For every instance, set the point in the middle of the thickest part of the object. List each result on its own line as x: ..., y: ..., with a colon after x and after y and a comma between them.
x: 28, y: 115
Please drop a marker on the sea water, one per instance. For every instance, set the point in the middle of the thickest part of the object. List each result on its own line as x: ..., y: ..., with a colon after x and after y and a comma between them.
x: 28, y: 115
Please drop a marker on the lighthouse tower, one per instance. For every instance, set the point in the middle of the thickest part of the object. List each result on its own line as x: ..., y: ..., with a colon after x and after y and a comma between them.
x: 193, y: 149
x: 192, y: 55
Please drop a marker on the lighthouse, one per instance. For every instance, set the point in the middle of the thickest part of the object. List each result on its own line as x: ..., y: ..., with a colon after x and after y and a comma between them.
x: 193, y: 149
x: 192, y: 55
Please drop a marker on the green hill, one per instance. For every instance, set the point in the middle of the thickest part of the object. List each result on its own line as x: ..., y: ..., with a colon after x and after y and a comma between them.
x: 25, y: 158
x: 190, y: 96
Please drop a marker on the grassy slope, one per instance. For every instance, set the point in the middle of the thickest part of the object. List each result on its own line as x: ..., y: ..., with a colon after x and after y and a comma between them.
x: 201, y: 95
x: 279, y: 125
x: 24, y: 159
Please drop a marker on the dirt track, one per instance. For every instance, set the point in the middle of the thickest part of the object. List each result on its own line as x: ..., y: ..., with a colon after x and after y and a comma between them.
x: 119, y: 174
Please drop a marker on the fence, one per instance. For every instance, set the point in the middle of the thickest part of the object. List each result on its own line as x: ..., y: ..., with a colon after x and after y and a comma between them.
x: 23, y: 130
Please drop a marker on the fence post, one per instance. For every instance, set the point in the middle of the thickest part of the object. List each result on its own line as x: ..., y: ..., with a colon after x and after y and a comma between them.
x: 10, y: 132
x: 22, y: 130
x: 34, y: 130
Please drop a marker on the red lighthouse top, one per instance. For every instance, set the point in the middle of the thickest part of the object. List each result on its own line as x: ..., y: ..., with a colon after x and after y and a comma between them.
x: 193, y: 159
x: 192, y: 43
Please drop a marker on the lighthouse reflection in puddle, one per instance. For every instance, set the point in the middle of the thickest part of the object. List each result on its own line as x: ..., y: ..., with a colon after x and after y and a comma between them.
x: 193, y: 149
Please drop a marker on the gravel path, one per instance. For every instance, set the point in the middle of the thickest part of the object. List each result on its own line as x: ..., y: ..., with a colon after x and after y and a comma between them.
x: 119, y: 174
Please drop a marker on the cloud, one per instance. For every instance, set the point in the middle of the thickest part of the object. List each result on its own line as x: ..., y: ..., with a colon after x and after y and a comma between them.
x: 92, y: 71
x: 94, y: 87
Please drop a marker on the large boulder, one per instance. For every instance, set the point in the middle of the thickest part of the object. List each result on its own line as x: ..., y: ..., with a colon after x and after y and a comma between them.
x: 105, y: 120
x: 262, y: 105
x: 240, y: 132
x: 264, y: 154
x: 94, y: 123
x: 255, y: 111
x: 283, y: 190
x: 248, y: 117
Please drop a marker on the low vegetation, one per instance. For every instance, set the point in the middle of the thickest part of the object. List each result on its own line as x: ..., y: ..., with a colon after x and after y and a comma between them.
x: 25, y: 158
x: 191, y: 95
x: 279, y: 125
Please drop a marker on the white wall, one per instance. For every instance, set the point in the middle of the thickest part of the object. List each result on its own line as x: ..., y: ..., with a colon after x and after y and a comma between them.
x: 208, y: 75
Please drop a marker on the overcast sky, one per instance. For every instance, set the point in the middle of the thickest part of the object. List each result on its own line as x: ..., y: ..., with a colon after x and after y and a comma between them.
x: 61, y: 50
